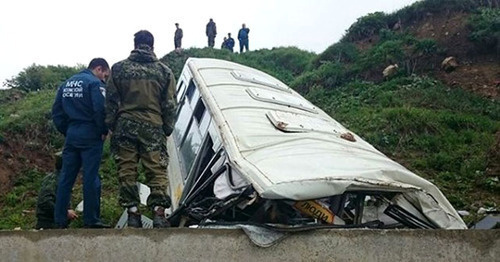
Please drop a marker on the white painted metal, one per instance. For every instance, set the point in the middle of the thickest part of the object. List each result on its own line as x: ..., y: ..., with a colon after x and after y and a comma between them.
x: 309, y: 159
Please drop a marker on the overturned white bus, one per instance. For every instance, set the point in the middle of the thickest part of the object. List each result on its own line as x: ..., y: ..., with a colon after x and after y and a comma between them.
x: 246, y: 148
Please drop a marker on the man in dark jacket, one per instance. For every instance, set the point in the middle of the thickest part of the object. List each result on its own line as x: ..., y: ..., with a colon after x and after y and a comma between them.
x: 229, y: 42
x: 178, y: 37
x: 78, y: 113
x: 211, y: 32
x: 140, y: 110
x: 46, y: 200
x: 224, y: 44
x: 243, y: 37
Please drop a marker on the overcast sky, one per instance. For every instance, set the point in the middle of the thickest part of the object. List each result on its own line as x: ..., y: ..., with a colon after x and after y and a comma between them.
x: 66, y: 32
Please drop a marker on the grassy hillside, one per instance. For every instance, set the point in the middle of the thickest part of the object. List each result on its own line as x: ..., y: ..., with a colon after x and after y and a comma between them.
x: 285, y: 63
x: 434, y: 123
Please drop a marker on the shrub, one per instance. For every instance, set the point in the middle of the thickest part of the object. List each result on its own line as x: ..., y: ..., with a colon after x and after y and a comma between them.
x: 328, y: 75
x: 366, y: 26
x: 341, y: 52
x: 426, y: 47
x: 485, y: 29
x: 37, y: 77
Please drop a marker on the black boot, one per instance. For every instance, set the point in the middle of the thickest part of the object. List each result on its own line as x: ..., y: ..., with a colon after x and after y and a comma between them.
x: 134, y: 219
x: 159, y: 218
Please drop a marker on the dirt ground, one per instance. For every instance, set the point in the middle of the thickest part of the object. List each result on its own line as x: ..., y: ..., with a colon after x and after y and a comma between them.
x: 477, y: 72
x: 17, y: 156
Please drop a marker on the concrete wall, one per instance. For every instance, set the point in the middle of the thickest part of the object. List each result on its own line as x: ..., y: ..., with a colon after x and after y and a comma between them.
x: 233, y: 245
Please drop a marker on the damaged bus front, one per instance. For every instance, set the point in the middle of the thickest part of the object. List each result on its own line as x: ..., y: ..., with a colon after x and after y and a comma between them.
x: 247, y: 149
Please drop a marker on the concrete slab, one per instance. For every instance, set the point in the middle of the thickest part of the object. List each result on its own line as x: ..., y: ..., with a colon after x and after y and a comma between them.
x: 233, y: 245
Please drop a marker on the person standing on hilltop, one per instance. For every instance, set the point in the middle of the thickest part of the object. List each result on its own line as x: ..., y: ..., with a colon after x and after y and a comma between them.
x: 78, y: 113
x: 230, y: 42
x: 211, y: 32
x: 178, y: 37
x: 243, y: 37
x: 140, y: 111
x: 224, y: 43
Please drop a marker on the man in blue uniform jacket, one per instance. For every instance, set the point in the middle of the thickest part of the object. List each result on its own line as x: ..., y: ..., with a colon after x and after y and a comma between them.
x: 78, y: 113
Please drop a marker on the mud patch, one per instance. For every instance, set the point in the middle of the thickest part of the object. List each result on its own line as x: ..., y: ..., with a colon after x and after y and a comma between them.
x: 476, y: 72
x: 17, y: 156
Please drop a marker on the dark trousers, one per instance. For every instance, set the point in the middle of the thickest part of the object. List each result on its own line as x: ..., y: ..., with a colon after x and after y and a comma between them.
x: 74, y: 157
x: 211, y: 41
x: 177, y: 43
x: 243, y: 43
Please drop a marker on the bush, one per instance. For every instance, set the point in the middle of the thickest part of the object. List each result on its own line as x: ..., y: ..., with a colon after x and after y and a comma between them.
x: 341, y: 52
x: 328, y: 75
x: 485, y: 29
x: 37, y: 77
x: 426, y: 47
x: 388, y: 52
x: 366, y: 26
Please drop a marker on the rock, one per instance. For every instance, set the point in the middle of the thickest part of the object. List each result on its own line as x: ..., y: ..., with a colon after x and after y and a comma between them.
x: 397, y: 26
x: 390, y: 70
x: 463, y: 213
x: 449, y: 64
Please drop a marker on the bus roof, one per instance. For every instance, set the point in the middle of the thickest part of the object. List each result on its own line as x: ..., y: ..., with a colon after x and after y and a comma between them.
x: 287, y: 147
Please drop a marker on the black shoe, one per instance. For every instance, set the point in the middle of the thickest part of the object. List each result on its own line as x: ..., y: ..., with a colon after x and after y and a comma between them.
x: 134, y: 219
x: 159, y: 219
x: 60, y: 226
x: 97, y: 225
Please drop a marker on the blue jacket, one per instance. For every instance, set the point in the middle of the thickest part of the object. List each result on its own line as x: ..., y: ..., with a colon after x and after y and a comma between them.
x: 243, y: 34
x: 78, y: 111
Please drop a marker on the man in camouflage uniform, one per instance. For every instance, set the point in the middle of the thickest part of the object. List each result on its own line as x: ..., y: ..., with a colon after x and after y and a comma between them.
x: 140, y: 110
x: 46, y: 200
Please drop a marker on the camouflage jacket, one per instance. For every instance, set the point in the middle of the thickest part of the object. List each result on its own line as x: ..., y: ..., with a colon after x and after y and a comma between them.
x: 46, y: 200
x: 141, y: 88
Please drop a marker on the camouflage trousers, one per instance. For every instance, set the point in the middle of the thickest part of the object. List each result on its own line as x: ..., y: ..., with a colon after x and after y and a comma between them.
x: 133, y: 143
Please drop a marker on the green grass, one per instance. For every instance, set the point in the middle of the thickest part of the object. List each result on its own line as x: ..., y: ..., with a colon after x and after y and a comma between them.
x: 285, y: 63
x: 18, y: 205
x: 34, y: 109
x: 441, y: 134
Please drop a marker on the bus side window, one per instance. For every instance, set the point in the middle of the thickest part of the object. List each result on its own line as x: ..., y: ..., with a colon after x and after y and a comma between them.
x: 205, y: 156
x: 180, y: 90
x: 183, y: 119
x: 190, y: 147
x: 202, y: 116
x: 191, y: 90
x: 199, y: 110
